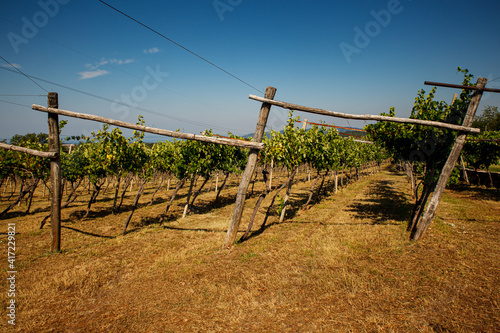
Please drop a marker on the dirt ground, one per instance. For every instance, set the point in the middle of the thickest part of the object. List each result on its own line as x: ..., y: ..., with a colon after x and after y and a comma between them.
x: 344, y: 265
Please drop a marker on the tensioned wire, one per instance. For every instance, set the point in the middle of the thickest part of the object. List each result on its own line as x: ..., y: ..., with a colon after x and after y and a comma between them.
x: 122, y: 104
x: 181, y: 46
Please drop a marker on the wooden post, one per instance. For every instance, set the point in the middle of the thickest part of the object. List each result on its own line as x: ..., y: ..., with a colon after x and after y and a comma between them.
x: 450, y: 163
x: 304, y: 126
x: 271, y: 175
x: 249, y: 170
x: 287, y: 196
x: 217, y: 182
x: 336, y: 182
x: 464, y: 171
x: 55, y: 173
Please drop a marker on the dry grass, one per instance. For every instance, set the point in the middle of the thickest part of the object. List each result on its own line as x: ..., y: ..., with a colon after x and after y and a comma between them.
x: 345, y: 265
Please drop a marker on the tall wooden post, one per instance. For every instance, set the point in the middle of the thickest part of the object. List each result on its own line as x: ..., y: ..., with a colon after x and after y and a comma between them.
x: 55, y: 173
x: 450, y: 163
x: 249, y: 170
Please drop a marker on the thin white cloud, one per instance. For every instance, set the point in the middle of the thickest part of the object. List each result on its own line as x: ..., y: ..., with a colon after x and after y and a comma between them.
x: 105, y: 61
x: 95, y: 71
x: 151, y: 50
x: 13, y: 65
x: 92, y: 74
x: 120, y: 61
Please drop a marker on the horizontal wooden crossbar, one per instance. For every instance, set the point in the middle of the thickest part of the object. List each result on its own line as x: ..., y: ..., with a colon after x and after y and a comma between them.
x: 348, y: 128
x: 334, y: 126
x: 159, y: 131
x: 34, y: 152
x: 366, y: 116
x: 363, y: 141
x: 458, y: 86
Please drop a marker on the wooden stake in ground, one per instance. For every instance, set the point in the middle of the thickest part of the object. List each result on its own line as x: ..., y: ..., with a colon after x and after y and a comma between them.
x: 249, y: 170
x: 422, y: 227
x: 257, y: 205
x: 463, y: 170
x: 287, y: 197
x: 186, y: 206
x: 55, y: 173
x: 140, y: 191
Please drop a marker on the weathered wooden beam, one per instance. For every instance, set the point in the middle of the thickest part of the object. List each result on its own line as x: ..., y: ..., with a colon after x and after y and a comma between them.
x: 459, y: 86
x: 366, y: 116
x: 179, y: 135
x: 45, y: 154
x: 249, y: 170
x: 363, y: 141
x: 327, y: 125
x: 55, y: 173
x: 424, y: 224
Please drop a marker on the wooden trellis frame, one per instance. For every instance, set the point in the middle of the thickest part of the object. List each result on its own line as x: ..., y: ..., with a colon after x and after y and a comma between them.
x: 54, y: 146
x: 159, y: 131
x: 249, y: 170
x: 53, y: 112
x: 464, y: 129
x: 422, y: 226
x: 255, y: 145
x: 296, y: 107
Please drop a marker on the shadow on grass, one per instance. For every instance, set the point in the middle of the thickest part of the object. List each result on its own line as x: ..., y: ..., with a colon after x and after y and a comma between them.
x: 297, y: 203
x: 87, y: 233
x: 193, y: 229
x: 14, y: 213
x: 145, y: 221
x: 478, y: 192
x: 383, y: 205
x: 203, y: 206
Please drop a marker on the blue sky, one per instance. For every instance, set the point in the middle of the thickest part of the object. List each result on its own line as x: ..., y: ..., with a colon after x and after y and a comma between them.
x: 354, y: 56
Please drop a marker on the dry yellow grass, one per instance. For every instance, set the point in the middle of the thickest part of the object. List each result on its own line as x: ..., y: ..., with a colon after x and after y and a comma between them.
x: 344, y: 265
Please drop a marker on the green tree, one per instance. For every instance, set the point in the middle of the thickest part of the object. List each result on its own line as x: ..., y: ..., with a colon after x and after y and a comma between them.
x: 19, y: 139
x: 489, y: 120
x: 482, y: 150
